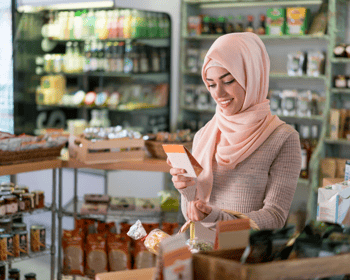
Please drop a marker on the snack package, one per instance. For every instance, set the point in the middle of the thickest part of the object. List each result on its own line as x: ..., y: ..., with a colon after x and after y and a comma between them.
x: 96, y: 255
x: 315, y: 63
x: 275, y: 102
x: 103, y: 227
x: 118, y: 252
x: 275, y: 21
x: 152, y: 240
x: 295, y: 63
x: 297, y: 21
x: 73, y: 252
x: 289, y: 102
x: 304, y: 104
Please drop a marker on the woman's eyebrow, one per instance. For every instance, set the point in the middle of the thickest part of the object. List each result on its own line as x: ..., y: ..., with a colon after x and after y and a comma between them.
x: 221, y: 77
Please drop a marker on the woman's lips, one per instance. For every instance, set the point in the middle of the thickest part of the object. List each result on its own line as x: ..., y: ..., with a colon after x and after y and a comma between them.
x: 226, y: 103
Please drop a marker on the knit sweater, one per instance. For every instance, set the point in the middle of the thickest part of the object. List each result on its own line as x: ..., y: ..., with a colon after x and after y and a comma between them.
x: 262, y: 186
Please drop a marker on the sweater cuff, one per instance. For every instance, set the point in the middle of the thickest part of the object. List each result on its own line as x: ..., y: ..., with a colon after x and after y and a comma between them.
x: 189, y: 192
x: 213, y: 216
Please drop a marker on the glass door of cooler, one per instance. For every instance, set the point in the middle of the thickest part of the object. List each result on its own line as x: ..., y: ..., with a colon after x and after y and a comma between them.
x: 102, y: 66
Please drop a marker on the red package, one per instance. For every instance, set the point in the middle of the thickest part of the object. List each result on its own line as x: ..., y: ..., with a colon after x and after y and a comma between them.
x: 118, y: 252
x: 73, y: 252
x: 96, y: 254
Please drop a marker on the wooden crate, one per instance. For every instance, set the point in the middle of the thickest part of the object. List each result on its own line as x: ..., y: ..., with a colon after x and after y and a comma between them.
x: 97, y: 152
x: 224, y: 264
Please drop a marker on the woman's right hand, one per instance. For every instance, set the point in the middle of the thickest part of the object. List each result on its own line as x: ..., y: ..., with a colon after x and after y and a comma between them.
x: 180, y: 181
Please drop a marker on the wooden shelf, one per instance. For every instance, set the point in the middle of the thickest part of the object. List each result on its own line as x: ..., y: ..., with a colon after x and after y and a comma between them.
x: 216, y: 4
x: 263, y: 37
x: 148, y: 164
x: 29, y: 167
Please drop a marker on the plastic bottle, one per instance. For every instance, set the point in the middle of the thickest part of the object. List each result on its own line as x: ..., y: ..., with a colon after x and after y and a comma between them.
x: 71, y: 26
x: 93, y: 60
x: 68, y: 58
x: 128, y: 62
x: 114, y: 24
x: 87, y: 55
x: 120, y: 33
x: 78, y: 25
x: 91, y: 20
x: 77, y: 59
x: 100, y: 56
x: 143, y: 25
x: 109, y: 23
x: 85, y: 29
x: 127, y: 24
x: 104, y: 29
x: 135, y: 24
x: 166, y: 26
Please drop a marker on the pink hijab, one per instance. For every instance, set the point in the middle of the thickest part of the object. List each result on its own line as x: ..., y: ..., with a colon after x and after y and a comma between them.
x: 244, y: 56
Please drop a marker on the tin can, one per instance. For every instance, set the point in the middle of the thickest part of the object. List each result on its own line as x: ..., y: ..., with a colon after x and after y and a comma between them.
x: 347, y: 170
x: 37, y: 238
x: 20, y: 243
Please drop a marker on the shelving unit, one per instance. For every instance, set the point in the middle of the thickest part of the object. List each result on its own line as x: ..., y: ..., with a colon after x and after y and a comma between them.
x: 195, y: 7
x: 31, y: 167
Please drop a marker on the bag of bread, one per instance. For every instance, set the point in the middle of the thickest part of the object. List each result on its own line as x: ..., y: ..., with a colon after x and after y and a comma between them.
x: 96, y: 254
x: 118, y: 252
x: 73, y: 252
x: 146, y: 244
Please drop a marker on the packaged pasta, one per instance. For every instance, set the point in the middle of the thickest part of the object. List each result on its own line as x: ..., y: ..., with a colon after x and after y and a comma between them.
x: 118, y: 252
x: 151, y: 240
x: 73, y: 252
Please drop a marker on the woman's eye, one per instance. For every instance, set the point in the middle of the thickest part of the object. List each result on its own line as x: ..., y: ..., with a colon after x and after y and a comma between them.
x: 229, y: 82
x: 212, y: 85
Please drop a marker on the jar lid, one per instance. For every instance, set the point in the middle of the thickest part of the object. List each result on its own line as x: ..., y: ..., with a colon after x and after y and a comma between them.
x: 18, y: 225
x: 10, y: 197
x: 37, y: 192
x: 36, y: 227
x: 18, y: 192
x: 8, y: 189
x: 14, y: 270
x: 30, y: 195
x: 28, y: 275
x: 8, y: 220
x: 8, y: 184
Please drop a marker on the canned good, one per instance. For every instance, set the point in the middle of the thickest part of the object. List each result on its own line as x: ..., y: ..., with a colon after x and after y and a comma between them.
x: 11, y: 203
x: 39, y: 199
x: 6, y: 247
x: 48, y: 63
x: 20, y: 243
x: 6, y: 224
x: 2, y: 271
x: 14, y: 274
x: 37, y: 238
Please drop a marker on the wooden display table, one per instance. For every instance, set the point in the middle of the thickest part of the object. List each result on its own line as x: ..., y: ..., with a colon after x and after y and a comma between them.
x: 29, y: 167
x: 142, y: 274
x: 148, y: 164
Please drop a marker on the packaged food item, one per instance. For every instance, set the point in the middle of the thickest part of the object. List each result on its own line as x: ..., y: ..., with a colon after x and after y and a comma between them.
x: 152, y: 240
x: 297, y: 21
x: 203, y: 98
x: 295, y: 63
x: 22, y: 187
x: 11, y: 203
x: 275, y: 102
x: 103, y: 227
x: 2, y: 207
x: 122, y: 203
x: 96, y: 198
x: 194, y: 25
x: 190, y: 96
x: 147, y: 204
x: 26, y: 202
x: 2, y: 271
x: 9, y: 244
x: 73, y: 252
x: 192, y: 59
x: 14, y: 273
x: 96, y: 255
x: 289, y: 102
x: 6, y: 224
x: 275, y: 21
x: 3, y: 246
x: 90, y: 98
x: 19, y: 226
x: 304, y: 104
x: 93, y: 209
x: 20, y: 243
x: 37, y: 238
x: 30, y: 276
x: 39, y: 199
x: 118, y: 252
x: 340, y: 81
x: 315, y: 63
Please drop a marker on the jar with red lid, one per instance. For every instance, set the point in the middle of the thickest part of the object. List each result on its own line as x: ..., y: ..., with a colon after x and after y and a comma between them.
x: 11, y: 203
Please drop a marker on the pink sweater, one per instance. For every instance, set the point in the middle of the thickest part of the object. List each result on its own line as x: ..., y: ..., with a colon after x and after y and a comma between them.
x: 262, y: 186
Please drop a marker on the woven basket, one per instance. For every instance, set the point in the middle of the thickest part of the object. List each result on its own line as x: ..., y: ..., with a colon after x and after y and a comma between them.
x: 16, y: 157
x: 156, y: 150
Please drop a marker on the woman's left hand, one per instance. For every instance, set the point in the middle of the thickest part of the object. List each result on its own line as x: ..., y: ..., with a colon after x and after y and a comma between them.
x: 197, y: 210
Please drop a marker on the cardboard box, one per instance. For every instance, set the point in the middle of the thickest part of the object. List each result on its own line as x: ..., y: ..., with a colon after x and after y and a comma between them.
x: 334, y: 121
x: 275, y: 21
x: 333, y: 203
x: 340, y: 168
x: 328, y: 167
x: 147, y: 204
x: 139, y: 274
x: 232, y: 234
x: 297, y: 21
x: 331, y: 181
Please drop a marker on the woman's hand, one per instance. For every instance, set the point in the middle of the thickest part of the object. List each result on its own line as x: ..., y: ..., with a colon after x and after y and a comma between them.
x: 197, y: 210
x: 180, y: 181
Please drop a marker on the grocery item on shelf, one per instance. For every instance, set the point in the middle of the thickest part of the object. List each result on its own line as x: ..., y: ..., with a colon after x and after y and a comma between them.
x: 73, y: 252
x: 118, y: 252
x: 339, y: 121
x: 275, y: 21
x: 340, y: 50
x: 340, y: 81
x: 122, y: 203
x: 320, y: 21
x: 76, y: 127
x: 147, y: 204
x: 315, y: 63
x: 30, y: 276
x: 96, y: 254
x: 169, y: 201
x: 37, y: 238
x: 297, y: 21
x: 51, y: 89
x: 194, y: 25
x: 295, y: 64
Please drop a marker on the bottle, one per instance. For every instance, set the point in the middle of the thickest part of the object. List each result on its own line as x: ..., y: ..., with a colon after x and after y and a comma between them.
x: 100, y: 56
x: 121, y: 24
x: 136, y: 59
x: 135, y: 24
x: 114, y: 24
x: 221, y: 25
x: 239, y: 24
x: 163, y: 60
x: 144, y: 63
x: 127, y: 24
x: 155, y: 60
x: 78, y: 25
x: 108, y: 57
x: 77, y: 61
x: 314, y: 137
x: 229, y: 25
x: 71, y: 26
x: 143, y: 24
x: 91, y: 20
x: 339, y: 50
x: 120, y: 57
x: 166, y: 26
x: 205, y: 25
x: 250, y: 27
x: 94, y: 57
x: 110, y: 15
x: 114, y: 57
x: 85, y: 28
x: 128, y: 63
x: 319, y: 23
x: 261, y: 30
x: 68, y: 58
x: 103, y: 24
x: 87, y: 55
x: 305, y: 151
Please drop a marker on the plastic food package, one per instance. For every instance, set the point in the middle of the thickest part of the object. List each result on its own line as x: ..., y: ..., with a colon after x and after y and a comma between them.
x: 197, y: 246
x: 118, y: 252
x: 305, y: 104
x: 315, y: 62
x: 295, y: 63
x: 289, y: 102
x: 96, y: 255
x: 152, y: 240
x: 73, y: 252
x: 275, y: 102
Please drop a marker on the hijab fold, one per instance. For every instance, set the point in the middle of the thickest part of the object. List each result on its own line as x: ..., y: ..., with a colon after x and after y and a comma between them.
x: 237, y: 136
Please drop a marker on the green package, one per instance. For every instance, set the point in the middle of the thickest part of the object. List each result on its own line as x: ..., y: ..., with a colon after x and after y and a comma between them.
x: 275, y: 21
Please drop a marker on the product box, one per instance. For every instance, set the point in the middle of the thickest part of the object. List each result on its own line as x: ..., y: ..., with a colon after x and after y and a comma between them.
x: 337, y: 120
x: 140, y: 274
x: 97, y: 198
x: 232, y: 234
x: 328, y: 167
x: 340, y: 167
x: 297, y: 21
x: 122, y: 203
x: 194, y: 25
x: 331, y: 181
x: 93, y: 209
x: 275, y: 21
x: 333, y: 203
x: 177, y: 258
x: 147, y: 204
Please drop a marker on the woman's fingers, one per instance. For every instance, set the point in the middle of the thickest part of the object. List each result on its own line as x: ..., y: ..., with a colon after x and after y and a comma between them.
x: 168, y: 162
x: 177, y: 171
x: 201, y: 206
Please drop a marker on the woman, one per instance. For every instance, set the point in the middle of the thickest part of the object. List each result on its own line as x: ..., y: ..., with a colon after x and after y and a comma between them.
x: 251, y: 160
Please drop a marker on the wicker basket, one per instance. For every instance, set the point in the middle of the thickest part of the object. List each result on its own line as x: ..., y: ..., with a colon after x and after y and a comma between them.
x: 7, y: 157
x: 155, y: 148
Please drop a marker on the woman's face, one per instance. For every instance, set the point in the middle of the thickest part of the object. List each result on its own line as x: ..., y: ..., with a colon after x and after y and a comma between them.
x: 225, y: 90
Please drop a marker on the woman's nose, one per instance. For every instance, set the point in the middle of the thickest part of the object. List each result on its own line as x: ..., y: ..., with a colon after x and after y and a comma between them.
x: 218, y: 91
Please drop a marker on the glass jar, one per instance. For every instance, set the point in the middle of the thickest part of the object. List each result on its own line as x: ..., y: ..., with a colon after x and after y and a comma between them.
x: 6, y: 224
x: 18, y: 194
x: 19, y: 226
x: 8, y: 184
x: 22, y: 187
x: 2, y: 271
x: 14, y: 273
x: 7, y: 189
x: 2, y: 207
x: 11, y: 203
x: 39, y: 199
x: 26, y: 202
x: 30, y: 276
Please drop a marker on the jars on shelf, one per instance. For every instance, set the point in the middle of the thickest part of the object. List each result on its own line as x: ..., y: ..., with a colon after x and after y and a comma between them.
x: 11, y: 203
